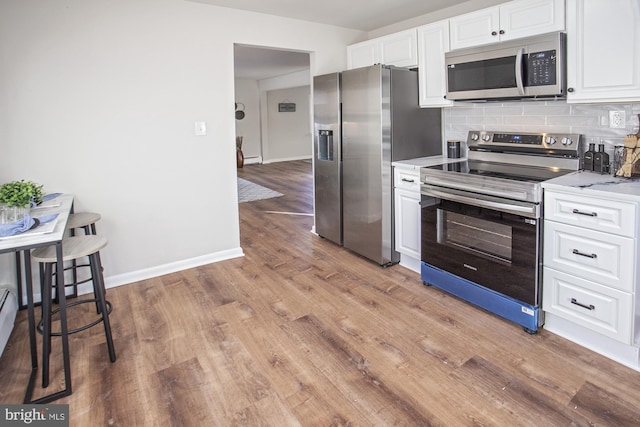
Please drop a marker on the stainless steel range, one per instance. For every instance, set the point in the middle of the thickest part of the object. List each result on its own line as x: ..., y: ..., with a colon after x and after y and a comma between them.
x: 481, y: 220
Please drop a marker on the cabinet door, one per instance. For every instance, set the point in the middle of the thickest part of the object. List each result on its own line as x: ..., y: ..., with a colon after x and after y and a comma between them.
x: 407, y: 222
x: 475, y: 28
x: 399, y: 49
x: 603, y: 51
x: 433, y: 42
x: 510, y: 21
x: 363, y: 54
x: 530, y: 17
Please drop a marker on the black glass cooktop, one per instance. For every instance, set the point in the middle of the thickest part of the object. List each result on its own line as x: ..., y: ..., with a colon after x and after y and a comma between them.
x: 501, y: 170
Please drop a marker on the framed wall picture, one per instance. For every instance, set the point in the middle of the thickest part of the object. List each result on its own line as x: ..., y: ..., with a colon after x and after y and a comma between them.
x: 286, y: 107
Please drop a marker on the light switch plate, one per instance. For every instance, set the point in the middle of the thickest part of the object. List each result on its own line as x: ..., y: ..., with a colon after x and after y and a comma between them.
x: 201, y: 128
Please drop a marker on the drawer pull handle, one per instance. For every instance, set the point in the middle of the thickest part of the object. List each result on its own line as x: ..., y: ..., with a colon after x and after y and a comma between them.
x: 579, y: 212
x: 407, y: 180
x: 592, y: 256
x: 588, y: 307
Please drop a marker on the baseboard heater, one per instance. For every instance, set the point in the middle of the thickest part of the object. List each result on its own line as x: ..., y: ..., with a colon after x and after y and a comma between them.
x: 8, y: 311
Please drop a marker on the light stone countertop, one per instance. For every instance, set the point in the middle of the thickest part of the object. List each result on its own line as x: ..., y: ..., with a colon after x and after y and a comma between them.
x: 420, y: 162
x: 597, y: 185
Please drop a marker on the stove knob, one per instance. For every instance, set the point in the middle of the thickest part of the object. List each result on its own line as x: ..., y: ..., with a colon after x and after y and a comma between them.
x: 567, y: 141
x: 486, y: 138
x: 551, y: 140
x: 474, y: 136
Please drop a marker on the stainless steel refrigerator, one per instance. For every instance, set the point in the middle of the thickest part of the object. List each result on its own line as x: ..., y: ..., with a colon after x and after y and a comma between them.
x: 364, y: 120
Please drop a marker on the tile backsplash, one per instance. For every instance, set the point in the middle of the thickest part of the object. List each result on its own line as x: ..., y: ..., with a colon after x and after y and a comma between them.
x: 589, y: 120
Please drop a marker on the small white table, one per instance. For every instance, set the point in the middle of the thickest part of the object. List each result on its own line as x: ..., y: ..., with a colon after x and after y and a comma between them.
x: 25, y: 242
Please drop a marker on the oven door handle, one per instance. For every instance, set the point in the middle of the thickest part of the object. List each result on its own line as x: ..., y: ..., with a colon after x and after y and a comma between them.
x: 508, y: 194
x: 529, y: 211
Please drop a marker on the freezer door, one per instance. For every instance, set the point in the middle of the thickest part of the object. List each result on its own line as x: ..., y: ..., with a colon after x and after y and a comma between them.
x: 327, y: 158
x: 367, y: 180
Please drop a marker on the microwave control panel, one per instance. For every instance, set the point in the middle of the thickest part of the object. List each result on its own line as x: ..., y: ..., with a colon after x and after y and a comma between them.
x: 541, y: 68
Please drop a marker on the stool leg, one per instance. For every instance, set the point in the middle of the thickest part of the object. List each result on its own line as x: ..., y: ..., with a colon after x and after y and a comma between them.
x: 46, y: 323
x: 42, y: 280
x: 98, y: 286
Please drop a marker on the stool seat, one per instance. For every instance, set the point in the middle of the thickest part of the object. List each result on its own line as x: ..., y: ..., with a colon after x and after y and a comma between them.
x: 82, y: 219
x: 73, y: 247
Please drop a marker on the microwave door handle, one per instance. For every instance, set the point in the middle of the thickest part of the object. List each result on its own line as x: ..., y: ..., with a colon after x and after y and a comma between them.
x: 519, y: 57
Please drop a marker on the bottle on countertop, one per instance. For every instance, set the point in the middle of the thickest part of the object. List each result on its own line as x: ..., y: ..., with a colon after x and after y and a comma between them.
x: 587, y: 161
x: 601, y: 160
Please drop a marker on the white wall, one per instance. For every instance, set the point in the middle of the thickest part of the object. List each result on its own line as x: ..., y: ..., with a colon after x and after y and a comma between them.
x: 289, y: 132
x: 249, y: 128
x: 99, y: 98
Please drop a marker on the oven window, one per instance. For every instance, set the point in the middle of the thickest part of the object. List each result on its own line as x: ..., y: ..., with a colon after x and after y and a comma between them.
x: 474, y: 235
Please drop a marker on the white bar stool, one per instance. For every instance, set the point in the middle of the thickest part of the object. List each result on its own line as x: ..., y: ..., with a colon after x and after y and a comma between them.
x: 73, y: 247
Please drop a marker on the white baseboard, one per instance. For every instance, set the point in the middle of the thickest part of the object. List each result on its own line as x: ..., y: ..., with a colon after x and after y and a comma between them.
x: 160, y: 270
x: 144, y: 274
x: 252, y: 160
x: 624, y: 354
x: 288, y: 159
x: 410, y: 263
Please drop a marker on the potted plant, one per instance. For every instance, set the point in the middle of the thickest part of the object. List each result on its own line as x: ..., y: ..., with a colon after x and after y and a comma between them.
x: 18, y: 196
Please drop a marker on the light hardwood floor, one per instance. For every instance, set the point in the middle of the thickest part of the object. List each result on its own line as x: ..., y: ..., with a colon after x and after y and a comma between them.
x: 302, y: 332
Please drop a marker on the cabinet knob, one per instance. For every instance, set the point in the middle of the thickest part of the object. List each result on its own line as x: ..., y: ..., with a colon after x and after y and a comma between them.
x: 570, y: 90
x: 501, y: 31
x: 493, y: 33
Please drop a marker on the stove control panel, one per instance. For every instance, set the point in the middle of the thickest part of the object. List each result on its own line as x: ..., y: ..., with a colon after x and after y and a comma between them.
x: 554, y: 144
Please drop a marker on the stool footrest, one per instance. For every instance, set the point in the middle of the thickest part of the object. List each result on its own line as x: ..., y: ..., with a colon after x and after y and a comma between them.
x: 81, y: 328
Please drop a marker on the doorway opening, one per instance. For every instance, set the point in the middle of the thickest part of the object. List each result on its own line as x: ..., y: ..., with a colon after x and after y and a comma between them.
x: 273, y: 103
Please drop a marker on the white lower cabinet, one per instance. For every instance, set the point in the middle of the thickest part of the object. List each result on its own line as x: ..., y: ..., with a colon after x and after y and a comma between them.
x: 590, y: 273
x: 407, y: 216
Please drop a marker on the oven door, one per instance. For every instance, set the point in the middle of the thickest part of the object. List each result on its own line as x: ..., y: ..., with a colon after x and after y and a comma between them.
x: 494, y: 249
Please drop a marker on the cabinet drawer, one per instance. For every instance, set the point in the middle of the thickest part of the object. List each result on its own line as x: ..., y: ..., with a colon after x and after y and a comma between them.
x: 407, y: 179
x: 596, y: 214
x: 599, y: 308
x: 604, y: 258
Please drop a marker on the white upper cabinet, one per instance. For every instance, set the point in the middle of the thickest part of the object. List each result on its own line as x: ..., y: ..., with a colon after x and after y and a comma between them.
x: 399, y: 49
x: 433, y: 42
x: 603, y: 51
x: 363, y: 54
x: 475, y: 28
x: 516, y: 19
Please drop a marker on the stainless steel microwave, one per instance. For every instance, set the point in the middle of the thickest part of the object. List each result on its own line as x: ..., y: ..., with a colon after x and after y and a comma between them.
x: 532, y: 67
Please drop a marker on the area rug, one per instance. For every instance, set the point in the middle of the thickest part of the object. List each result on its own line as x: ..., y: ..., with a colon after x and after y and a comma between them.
x: 249, y: 191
